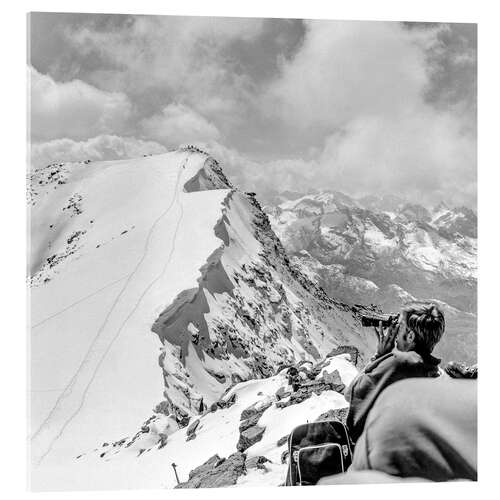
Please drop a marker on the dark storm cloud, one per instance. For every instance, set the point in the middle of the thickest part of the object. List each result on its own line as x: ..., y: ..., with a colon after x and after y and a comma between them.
x: 51, y: 54
x: 453, y: 68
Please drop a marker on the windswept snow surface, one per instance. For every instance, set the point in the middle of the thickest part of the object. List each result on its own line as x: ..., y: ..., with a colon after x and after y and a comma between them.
x: 94, y: 360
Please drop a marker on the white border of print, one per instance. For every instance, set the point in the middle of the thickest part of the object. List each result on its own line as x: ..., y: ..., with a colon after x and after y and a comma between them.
x: 13, y: 227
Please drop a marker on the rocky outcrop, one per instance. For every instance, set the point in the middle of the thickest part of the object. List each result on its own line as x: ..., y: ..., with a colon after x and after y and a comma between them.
x: 257, y: 462
x: 250, y: 432
x: 256, y: 409
x: 216, y: 472
x: 282, y: 393
x: 334, y: 380
x: 329, y: 382
x: 249, y: 422
x: 456, y: 369
x: 209, y: 177
x: 191, y: 430
x: 219, y: 472
x: 249, y: 437
x: 346, y: 349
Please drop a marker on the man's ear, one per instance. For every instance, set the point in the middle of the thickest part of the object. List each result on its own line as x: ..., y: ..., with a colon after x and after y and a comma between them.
x: 410, y: 336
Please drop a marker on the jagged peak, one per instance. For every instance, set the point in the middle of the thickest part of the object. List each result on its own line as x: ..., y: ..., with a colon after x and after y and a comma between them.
x: 441, y: 206
x: 210, y: 176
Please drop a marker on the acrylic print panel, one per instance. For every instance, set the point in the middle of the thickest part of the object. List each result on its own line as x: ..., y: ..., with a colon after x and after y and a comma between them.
x: 217, y: 208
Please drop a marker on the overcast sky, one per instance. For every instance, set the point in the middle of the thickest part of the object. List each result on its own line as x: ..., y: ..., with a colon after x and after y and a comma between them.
x: 359, y: 107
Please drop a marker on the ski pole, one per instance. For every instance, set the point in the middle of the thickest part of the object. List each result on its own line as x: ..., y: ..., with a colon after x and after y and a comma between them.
x: 175, y: 472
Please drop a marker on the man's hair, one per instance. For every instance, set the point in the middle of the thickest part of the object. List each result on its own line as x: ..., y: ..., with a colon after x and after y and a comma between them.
x: 427, y: 322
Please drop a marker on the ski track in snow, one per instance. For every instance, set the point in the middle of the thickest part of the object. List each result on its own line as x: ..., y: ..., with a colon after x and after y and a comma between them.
x: 68, y: 389
x: 79, y: 301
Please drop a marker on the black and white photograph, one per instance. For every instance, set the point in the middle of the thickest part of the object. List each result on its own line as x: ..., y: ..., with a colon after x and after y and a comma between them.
x: 252, y: 251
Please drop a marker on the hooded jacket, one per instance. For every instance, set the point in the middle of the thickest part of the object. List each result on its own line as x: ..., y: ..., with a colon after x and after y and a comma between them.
x: 377, y: 375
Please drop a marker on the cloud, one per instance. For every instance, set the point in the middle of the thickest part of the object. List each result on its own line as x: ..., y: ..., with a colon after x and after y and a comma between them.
x: 364, y: 87
x: 425, y: 157
x: 73, y: 109
x: 356, y: 106
x: 103, y: 147
x: 185, y: 57
x: 348, y: 68
x: 178, y: 124
x: 263, y: 176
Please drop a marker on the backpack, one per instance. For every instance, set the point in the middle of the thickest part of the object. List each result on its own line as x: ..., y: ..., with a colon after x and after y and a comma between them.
x: 316, y: 450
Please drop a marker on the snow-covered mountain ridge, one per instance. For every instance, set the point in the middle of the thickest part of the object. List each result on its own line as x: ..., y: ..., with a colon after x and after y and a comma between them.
x: 147, y: 261
x: 251, y: 313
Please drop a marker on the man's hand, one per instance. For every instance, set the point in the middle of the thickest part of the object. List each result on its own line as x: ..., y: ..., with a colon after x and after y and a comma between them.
x: 385, y: 339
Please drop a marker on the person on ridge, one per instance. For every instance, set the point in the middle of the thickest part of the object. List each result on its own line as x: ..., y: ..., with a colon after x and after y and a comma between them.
x: 404, y: 351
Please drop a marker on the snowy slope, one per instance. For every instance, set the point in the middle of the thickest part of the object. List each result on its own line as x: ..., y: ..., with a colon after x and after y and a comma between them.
x: 142, y: 463
x: 155, y: 285
x: 94, y: 367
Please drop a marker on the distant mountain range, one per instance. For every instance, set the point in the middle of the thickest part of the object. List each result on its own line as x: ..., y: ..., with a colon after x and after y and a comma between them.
x: 385, y: 251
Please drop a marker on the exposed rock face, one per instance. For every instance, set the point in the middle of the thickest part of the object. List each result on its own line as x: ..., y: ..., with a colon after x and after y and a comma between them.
x: 191, y: 430
x: 459, y: 220
x: 328, y: 382
x: 209, y: 177
x: 346, y: 349
x: 227, y: 403
x: 334, y: 380
x: 282, y: 393
x: 249, y: 437
x: 256, y: 462
x: 272, y: 312
x: 461, y: 370
x: 216, y: 472
x: 249, y: 422
x: 256, y: 409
